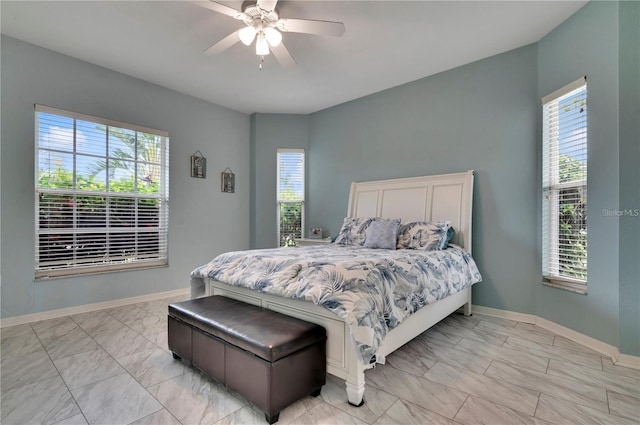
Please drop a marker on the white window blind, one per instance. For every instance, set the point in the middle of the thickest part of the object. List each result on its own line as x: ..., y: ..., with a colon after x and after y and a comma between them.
x: 290, y: 196
x: 564, y: 185
x: 101, y: 195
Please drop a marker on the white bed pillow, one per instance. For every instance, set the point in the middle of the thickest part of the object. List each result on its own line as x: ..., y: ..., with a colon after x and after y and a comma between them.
x: 353, y: 231
x: 425, y: 235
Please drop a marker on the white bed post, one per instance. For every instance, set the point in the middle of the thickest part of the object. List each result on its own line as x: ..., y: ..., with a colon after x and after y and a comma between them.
x: 467, y: 306
x: 467, y: 240
x: 355, y: 380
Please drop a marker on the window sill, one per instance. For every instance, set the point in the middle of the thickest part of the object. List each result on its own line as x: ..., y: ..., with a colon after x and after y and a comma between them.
x: 577, y: 288
x: 68, y: 274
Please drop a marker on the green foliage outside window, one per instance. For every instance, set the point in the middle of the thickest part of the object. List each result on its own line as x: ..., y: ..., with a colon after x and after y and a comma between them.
x: 96, y: 211
x: 290, y: 222
x: 572, y: 220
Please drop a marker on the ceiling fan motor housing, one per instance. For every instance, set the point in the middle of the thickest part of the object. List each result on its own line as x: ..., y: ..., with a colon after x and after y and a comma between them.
x: 256, y: 16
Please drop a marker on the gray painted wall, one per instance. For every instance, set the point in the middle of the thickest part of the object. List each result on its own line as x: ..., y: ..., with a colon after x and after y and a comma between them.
x: 203, y: 221
x: 270, y: 132
x: 630, y: 176
x: 481, y: 116
x: 587, y: 44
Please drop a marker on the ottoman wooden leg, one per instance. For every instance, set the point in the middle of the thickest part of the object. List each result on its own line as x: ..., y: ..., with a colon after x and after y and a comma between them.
x: 272, y: 418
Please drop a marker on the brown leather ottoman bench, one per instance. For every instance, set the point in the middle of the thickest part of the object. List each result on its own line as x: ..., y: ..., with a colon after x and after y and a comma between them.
x: 270, y: 359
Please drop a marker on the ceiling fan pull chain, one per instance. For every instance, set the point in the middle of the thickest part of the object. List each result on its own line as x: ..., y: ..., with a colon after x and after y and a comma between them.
x: 260, y: 66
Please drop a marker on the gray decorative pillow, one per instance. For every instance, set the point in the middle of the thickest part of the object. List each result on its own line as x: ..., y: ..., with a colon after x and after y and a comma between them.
x: 382, y: 234
x: 353, y: 231
x: 425, y: 235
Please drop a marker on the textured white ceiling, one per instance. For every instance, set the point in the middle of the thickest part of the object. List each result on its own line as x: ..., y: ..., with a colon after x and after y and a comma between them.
x: 386, y: 43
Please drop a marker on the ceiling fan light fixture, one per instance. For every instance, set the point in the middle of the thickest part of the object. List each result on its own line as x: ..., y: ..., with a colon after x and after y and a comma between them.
x: 263, y: 24
x: 262, y: 47
x: 273, y: 36
x: 247, y: 34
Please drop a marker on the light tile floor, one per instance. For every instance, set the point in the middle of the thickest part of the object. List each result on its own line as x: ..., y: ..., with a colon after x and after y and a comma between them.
x: 113, y: 367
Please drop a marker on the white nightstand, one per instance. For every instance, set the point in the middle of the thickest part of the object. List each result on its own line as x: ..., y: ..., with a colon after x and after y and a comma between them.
x: 309, y: 242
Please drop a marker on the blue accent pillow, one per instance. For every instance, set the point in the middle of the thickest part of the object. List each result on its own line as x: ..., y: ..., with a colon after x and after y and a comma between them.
x: 382, y: 234
x: 450, y: 233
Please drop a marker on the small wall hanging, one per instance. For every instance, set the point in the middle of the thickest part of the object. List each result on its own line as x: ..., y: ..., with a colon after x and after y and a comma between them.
x: 198, y: 165
x: 228, y: 181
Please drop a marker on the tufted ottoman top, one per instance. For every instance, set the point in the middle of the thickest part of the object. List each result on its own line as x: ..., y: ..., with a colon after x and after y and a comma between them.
x: 265, y: 333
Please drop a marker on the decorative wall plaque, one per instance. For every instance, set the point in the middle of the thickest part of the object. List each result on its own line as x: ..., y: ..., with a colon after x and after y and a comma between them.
x: 228, y: 181
x: 198, y: 166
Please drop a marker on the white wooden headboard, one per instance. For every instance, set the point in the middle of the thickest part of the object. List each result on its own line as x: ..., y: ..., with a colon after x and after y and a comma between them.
x: 429, y: 198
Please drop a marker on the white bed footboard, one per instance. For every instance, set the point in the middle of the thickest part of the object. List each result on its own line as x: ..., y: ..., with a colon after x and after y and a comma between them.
x: 341, y: 356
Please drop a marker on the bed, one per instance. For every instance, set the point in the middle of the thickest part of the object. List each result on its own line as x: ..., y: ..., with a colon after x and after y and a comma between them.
x: 446, y: 197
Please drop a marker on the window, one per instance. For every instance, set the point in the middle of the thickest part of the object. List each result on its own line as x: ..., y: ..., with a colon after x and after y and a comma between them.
x: 101, y: 198
x: 564, y: 187
x: 290, y: 196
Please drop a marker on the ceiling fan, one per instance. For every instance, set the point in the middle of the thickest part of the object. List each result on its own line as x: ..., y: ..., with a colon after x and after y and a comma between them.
x: 263, y: 24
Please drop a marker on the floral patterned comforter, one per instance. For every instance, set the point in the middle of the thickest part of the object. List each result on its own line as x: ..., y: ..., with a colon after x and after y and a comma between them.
x: 373, y: 290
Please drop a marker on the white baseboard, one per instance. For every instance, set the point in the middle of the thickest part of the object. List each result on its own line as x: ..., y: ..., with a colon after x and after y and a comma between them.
x: 626, y: 360
x: 608, y: 350
x: 504, y: 314
x: 592, y: 343
x: 53, y: 314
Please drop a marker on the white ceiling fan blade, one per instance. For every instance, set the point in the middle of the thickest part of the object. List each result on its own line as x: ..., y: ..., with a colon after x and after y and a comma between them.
x: 223, y: 44
x: 283, y: 56
x: 221, y: 8
x: 267, y: 5
x: 308, y: 26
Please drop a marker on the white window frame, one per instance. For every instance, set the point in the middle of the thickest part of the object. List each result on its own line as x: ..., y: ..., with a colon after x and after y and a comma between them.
x: 74, y: 266
x: 552, y: 272
x: 280, y: 201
